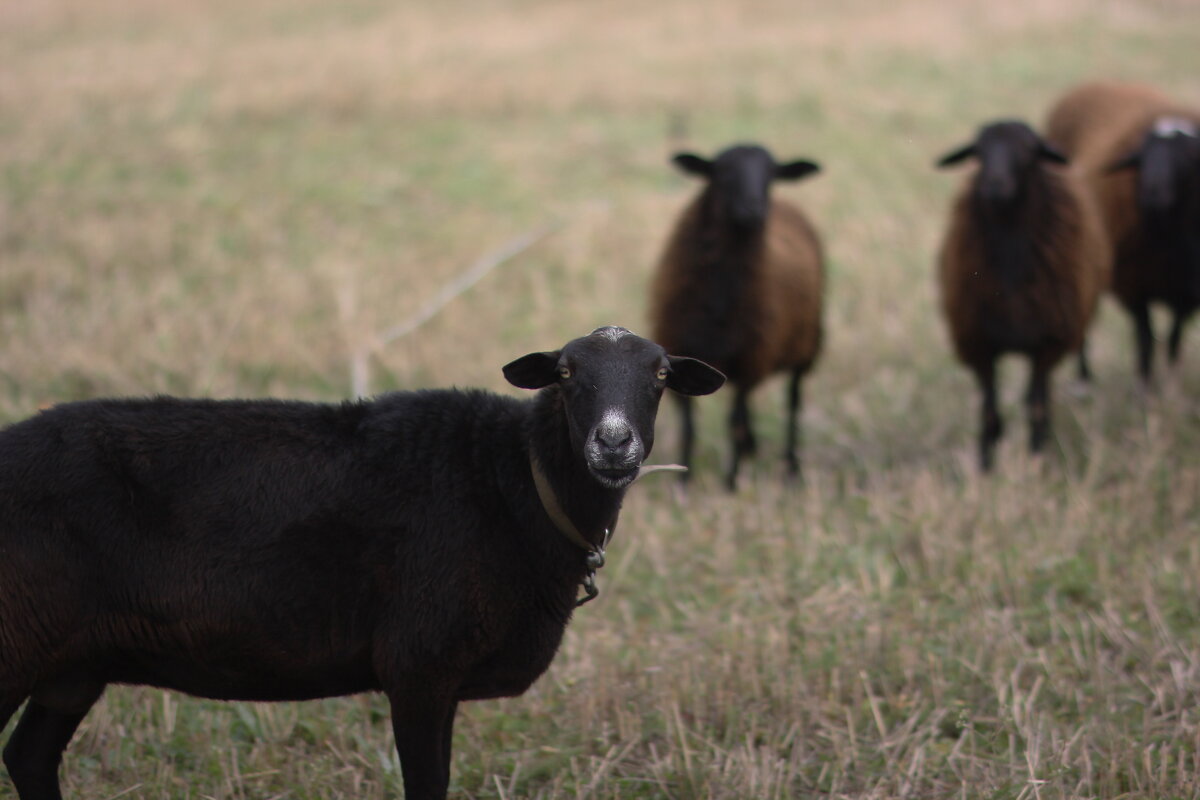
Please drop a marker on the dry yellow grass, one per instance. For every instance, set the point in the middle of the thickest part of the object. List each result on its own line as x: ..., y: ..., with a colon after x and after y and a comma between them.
x: 227, y: 198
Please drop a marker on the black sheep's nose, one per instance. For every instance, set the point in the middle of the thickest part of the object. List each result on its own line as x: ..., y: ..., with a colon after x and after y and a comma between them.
x: 614, y: 437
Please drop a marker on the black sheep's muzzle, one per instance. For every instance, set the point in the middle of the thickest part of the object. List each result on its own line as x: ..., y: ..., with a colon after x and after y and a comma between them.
x: 614, y: 451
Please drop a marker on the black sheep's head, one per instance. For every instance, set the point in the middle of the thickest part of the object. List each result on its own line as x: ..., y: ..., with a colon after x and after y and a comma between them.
x: 740, y: 178
x: 1007, y: 151
x: 610, y: 382
x: 1168, y: 175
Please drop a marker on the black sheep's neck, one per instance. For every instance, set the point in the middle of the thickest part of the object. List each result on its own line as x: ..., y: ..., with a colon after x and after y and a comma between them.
x: 1174, y: 237
x: 589, y: 506
x: 726, y: 255
x: 1010, y: 233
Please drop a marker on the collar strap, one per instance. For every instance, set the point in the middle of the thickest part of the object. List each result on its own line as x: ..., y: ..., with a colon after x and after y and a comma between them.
x: 554, y: 510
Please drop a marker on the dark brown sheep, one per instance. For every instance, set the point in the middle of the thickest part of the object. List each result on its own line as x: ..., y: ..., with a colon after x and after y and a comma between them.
x: 1140, y: 155
x: 739, y: 286
x: 1021, y: 269
x: 429, y: 545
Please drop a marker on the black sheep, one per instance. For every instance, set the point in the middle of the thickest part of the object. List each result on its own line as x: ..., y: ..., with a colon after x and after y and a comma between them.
x: 1021, y: 269
x: 739, y: 286
x: 1140, y: 154
x: 429, y: 545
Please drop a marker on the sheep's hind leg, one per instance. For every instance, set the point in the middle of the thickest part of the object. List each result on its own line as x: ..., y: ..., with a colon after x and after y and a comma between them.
x: 1038, y: 404
x: 688, y: 434
x: 1085, y: 369
x: 1175, y: 342
x: 742, y: 434
x: 991, y: 425
x: 36, y: 748
x: 7, y: 709
x: 1144, y: 335
x: 795, y: 403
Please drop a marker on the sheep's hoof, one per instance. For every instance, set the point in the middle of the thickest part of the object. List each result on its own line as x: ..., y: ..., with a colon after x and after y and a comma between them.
x: 1079, y: 389
x: 793, y: 473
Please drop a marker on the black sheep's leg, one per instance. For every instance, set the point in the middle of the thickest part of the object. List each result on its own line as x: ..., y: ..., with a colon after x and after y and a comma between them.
x: 422, y: 722
x: 7, y: 709
x: 688, y: 434
x: 1037, y: 402
x: 1175, y: 342
x: 448, y: 739
x: 991, y: 425
x: 1144, y: 334
x: 742, y: 434
x: 1085, y: 369
x: 36, y: 748
x: 795, y: 399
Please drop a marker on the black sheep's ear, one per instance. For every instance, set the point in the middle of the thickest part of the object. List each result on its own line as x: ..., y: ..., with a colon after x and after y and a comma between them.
x: 795, y: 170
x: 533, y: 371
x: 1048, y: 152
x: 693, y: 164
x: 1130, y: 160
x: 955, y: 156
x: 693, y: 377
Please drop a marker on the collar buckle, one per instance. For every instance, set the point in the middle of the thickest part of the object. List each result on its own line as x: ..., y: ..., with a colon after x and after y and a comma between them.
x: 594, y: 561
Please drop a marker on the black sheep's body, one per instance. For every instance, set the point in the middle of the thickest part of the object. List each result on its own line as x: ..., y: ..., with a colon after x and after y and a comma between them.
x: 1021, y: 268
x: 428, y: 545
x: 1150, y: 213
x: 747, y: 303
x: 265, y: 550
x: 739, y: 286
x: 1027, y: 284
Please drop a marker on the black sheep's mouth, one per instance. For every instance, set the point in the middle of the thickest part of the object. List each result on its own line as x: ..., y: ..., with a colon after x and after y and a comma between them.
x: 614, y: 477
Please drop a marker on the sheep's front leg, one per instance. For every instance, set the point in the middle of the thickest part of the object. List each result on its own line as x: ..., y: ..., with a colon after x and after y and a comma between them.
x: 991, y: 426
x: 794, y: 406
x: 423, y: 724
x: 1038, y: 405
x: 688, y: 434
x: 742, y: 433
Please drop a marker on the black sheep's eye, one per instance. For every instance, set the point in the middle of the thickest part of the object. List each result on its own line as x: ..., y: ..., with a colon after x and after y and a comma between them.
x: 564, y: 372
x: 662, y: 373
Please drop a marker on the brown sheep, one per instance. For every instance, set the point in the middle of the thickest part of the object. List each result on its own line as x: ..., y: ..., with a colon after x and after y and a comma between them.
x: 1021, y: 269
x: 1140, y: 154
x: 739, y: 285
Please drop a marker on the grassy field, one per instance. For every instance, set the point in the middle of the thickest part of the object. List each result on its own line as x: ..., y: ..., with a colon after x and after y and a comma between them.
x: 233, y: 197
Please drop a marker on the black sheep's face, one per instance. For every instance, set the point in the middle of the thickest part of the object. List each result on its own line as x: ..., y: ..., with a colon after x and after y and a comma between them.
x: 1008, y: 152
x: 1168, y: 176
x: 741, y: 178
x: 611, y: 382
x: 1167, y: 164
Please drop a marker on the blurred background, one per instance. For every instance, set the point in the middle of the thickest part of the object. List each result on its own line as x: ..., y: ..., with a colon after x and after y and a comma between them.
x: 240, y: 197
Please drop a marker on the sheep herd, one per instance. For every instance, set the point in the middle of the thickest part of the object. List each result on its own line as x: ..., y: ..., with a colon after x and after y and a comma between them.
x: 1108, y: 197
x: 431, y: 545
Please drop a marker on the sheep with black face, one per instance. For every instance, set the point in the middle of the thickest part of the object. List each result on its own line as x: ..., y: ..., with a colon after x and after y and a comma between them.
x: 1021, y: 268
x: 429, y: 545
x: 739, y: 286
x: 1140, y: 155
